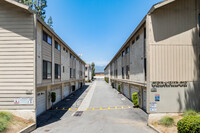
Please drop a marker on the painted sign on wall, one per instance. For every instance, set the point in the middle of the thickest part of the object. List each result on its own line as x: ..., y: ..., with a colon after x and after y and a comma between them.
x: 157, y: 97
x: 23, y: 100
x: 153, y: 106
x: 169, y: 84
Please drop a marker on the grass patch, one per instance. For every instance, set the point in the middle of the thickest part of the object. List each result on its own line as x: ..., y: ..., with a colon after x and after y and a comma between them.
x: 190, y: 113
x: 5, y: 117
x: 167, y: 121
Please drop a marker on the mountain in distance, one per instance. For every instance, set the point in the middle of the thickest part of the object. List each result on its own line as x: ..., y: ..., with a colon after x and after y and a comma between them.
x: 99, y: 68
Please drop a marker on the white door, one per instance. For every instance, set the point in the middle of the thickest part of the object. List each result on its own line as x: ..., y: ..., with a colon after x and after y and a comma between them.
x: 144, y: 98
x: 77, y: 86
x: 41, y: 102
x: 58, y: 95
x: 66, y: 90
x: 126, y: 91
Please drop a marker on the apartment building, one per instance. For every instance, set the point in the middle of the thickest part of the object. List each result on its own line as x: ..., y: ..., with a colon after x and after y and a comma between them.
x: 161, y: 59
x: 88, y: 72
x: 34, y: 61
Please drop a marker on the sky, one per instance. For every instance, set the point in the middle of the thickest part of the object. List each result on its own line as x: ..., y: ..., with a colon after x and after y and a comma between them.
x: 97, y: 29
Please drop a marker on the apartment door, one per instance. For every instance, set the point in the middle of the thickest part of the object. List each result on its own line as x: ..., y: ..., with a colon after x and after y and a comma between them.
x: 41, y: 102
x: 66, y: 90
x: 58, y: 95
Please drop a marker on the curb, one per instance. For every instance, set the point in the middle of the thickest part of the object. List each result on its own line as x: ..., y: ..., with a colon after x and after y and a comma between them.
x: 28, y: 129
x: 152, y: 127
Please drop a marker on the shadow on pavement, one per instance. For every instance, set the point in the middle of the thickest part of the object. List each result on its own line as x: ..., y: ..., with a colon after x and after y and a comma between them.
x: 52, y: 115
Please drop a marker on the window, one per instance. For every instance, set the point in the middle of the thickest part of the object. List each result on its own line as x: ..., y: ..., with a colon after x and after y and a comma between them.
x: 122, y: 72
x: 70, y: 72
x: 123, y: 53
x: 47, y: 38
x: 133, y: 41
x: 145, y: 33
x: 57, y: 71
x: 71, y: 56
x: 138, y: 37
x: 74, y: 73
x: 145, y: 68
x: 47, y: 70
x: 63, y: 48
x: 127, y: 50
x: 66, y: 51
x: 63, y: 69
x: 127, y: 72
x: 57, y: 46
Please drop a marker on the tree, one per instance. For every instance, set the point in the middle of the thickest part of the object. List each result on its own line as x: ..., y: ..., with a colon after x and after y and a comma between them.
x: 50, y: 22
x: 93, y: 69
x: 37, y: 5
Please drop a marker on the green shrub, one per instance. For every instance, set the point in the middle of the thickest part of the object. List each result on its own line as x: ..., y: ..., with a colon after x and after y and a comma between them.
x: 106, y: 79
x: 119, y: 87
x: 53, y: 97
x: 189, y: 124
x: 112, y: 85
x: 3, y: 124
x: 6, y: 115
x: 167, y: 121
x: 135, y: 99
x: 190, y: 113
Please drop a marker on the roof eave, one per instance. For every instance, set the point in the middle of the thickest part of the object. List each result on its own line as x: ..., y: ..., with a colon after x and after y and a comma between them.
x: 161, y: 4
x: 20, y: 5
x: 52, y: 31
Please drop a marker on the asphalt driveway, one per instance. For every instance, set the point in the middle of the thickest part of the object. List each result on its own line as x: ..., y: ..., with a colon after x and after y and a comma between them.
x: 95, y: 108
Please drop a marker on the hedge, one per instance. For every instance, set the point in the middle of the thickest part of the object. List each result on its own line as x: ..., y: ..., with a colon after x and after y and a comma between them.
x: 135, y: 99
x: 53, y: 97
x: 5, y: 117
x: 119, y: 87
x: 189, y: 124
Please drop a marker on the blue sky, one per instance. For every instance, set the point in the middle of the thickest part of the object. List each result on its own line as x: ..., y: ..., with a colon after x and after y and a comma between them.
x: 97, y: 28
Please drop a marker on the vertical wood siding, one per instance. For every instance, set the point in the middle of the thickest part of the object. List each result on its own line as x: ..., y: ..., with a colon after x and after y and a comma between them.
x: 16, y: 56
x: 174, y: 50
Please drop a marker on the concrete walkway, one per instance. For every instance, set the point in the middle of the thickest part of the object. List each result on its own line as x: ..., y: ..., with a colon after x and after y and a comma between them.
x: 100, y: 109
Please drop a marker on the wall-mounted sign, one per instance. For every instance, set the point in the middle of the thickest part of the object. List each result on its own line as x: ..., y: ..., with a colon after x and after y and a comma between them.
x: 153, y: 90
x: 23, y: 100
x: 157, y: 97
x: 153, y: 106
x: 169, y: 84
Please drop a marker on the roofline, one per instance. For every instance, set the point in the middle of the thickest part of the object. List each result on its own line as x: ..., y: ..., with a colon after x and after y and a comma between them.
x: 20, y: 5
x: 160, y: 4
x: 153, y: 8
x: 52, y: 31
x: 129, y: 38
x: 42, y: 21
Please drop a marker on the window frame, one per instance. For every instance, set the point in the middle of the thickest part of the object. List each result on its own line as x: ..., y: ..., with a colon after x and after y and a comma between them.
x: 46, y: 38
x: 57, y: 71
x: 45, y: 70
x: 57, y: 46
